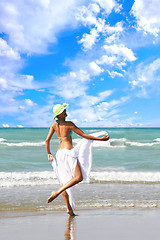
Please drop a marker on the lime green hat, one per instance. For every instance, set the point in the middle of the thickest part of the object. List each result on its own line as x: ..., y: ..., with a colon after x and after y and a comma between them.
x: 58, y: 109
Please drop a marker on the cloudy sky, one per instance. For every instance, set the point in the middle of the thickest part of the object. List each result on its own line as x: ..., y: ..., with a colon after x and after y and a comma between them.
x: 100, y: 56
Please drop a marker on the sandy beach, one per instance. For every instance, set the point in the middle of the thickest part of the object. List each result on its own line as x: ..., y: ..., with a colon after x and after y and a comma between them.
x: 89, y: 224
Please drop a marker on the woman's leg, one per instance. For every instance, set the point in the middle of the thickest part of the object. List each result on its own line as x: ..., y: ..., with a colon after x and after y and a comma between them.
x: 66, y: 199
x: 77, y: 178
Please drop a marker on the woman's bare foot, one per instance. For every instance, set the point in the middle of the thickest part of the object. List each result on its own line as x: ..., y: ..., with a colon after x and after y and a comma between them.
x: 52, y: 197
x: 71, y: 213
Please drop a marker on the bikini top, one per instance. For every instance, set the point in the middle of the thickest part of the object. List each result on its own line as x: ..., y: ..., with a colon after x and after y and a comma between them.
x: 61, y: 138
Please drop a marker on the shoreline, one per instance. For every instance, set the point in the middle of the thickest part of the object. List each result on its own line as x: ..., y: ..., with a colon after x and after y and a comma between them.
x: 89, y: 224
x: 28, y: 212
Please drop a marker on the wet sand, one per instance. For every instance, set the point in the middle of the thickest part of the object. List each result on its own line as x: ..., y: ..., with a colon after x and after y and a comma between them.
x: 89, y: 224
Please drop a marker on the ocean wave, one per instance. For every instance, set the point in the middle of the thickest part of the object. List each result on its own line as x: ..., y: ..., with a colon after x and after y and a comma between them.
x: 125, y: 177
x: 21, y: 144
x: 13, y: 179
x: 83, y: 205
x: 140, y: 144
x: 112, y: 143
x: 121, y: 204
x: 121, y: 142
x: 157, y: 139
x: 2, y: 140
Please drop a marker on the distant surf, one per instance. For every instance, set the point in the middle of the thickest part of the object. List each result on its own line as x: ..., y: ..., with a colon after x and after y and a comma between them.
x: 113, y: 142
x: 21, y: 144
x: 12, y: 179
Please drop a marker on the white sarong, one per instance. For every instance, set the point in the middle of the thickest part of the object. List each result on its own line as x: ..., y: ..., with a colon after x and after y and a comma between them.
x: 66, y: 161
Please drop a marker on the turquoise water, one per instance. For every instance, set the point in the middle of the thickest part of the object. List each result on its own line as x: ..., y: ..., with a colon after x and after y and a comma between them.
x: 125, y: 170
x: 129, y: 149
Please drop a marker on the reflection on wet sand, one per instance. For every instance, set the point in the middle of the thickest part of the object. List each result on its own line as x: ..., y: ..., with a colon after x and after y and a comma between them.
x: 70, y: 228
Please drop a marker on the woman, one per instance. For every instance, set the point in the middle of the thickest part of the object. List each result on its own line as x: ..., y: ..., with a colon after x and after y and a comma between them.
x: 72, y: 162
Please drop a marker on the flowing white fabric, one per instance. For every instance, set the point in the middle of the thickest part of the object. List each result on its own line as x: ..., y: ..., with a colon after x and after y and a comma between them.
x: 66, y: 161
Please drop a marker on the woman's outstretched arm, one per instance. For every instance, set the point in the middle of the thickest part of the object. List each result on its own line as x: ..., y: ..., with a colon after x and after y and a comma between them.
x: 82, y: 134
x: 48, y: 139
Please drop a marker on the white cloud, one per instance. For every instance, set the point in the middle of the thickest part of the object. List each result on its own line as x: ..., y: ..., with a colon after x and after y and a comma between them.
x: 70, y: 86
x: 21, y: 107
x: 5, y: 125
x: 93, y: 100
x: 81, y: 75
x: 96, y: 21
x: 108, y: 60
x: 84, y: 109
x: 115, y: 56
x: 15, y: 83
x: 19, y: 126
x: 120, y: 50
x: 87, y: 15
x: 29, y: 27
x: 105, y: 94
x: 111, y: 39
x: 117, y: 28
x: 3, y: 84
x: 146, y: 77
x: 32, y: 25
x: 94, y: 109
x: 147, y: 15
x: 23, y: 81
x: 7, y: 51
x: 11, y: 87
x: 75, y: 83
x: 95, y: 68
x: 106, y: 106
x: 41, y: 116
x: 88, y: 40
x: 29, y: 102
x: 108, y: 5
x: 114, y: 74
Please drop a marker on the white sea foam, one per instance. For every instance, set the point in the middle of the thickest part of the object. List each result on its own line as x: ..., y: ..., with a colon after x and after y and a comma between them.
x: 112, y: 143
x: 120, y: 203
x: 12, y: 179
x: 140, y: 144
x: 157, y: 139
x: 2, y: 140
x: 21, y: 144
x: 125, y: 177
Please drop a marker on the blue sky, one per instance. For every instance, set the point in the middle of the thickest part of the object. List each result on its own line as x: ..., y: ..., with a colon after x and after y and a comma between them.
x: 100, y: 56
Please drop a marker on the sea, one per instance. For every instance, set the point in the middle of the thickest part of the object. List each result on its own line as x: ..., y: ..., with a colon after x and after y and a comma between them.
x: 125, y: 171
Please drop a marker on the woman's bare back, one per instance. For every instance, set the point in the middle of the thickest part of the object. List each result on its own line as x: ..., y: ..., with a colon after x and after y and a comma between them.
x: 63, y: 131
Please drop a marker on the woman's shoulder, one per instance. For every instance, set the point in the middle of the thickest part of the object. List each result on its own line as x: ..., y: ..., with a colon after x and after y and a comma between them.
x: 66, y: 123
x: 53, y: 124
x: 69, y: 123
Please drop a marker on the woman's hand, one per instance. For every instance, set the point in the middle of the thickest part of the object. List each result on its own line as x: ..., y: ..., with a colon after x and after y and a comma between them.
x: 105, y: 138
x: 50, y: 157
